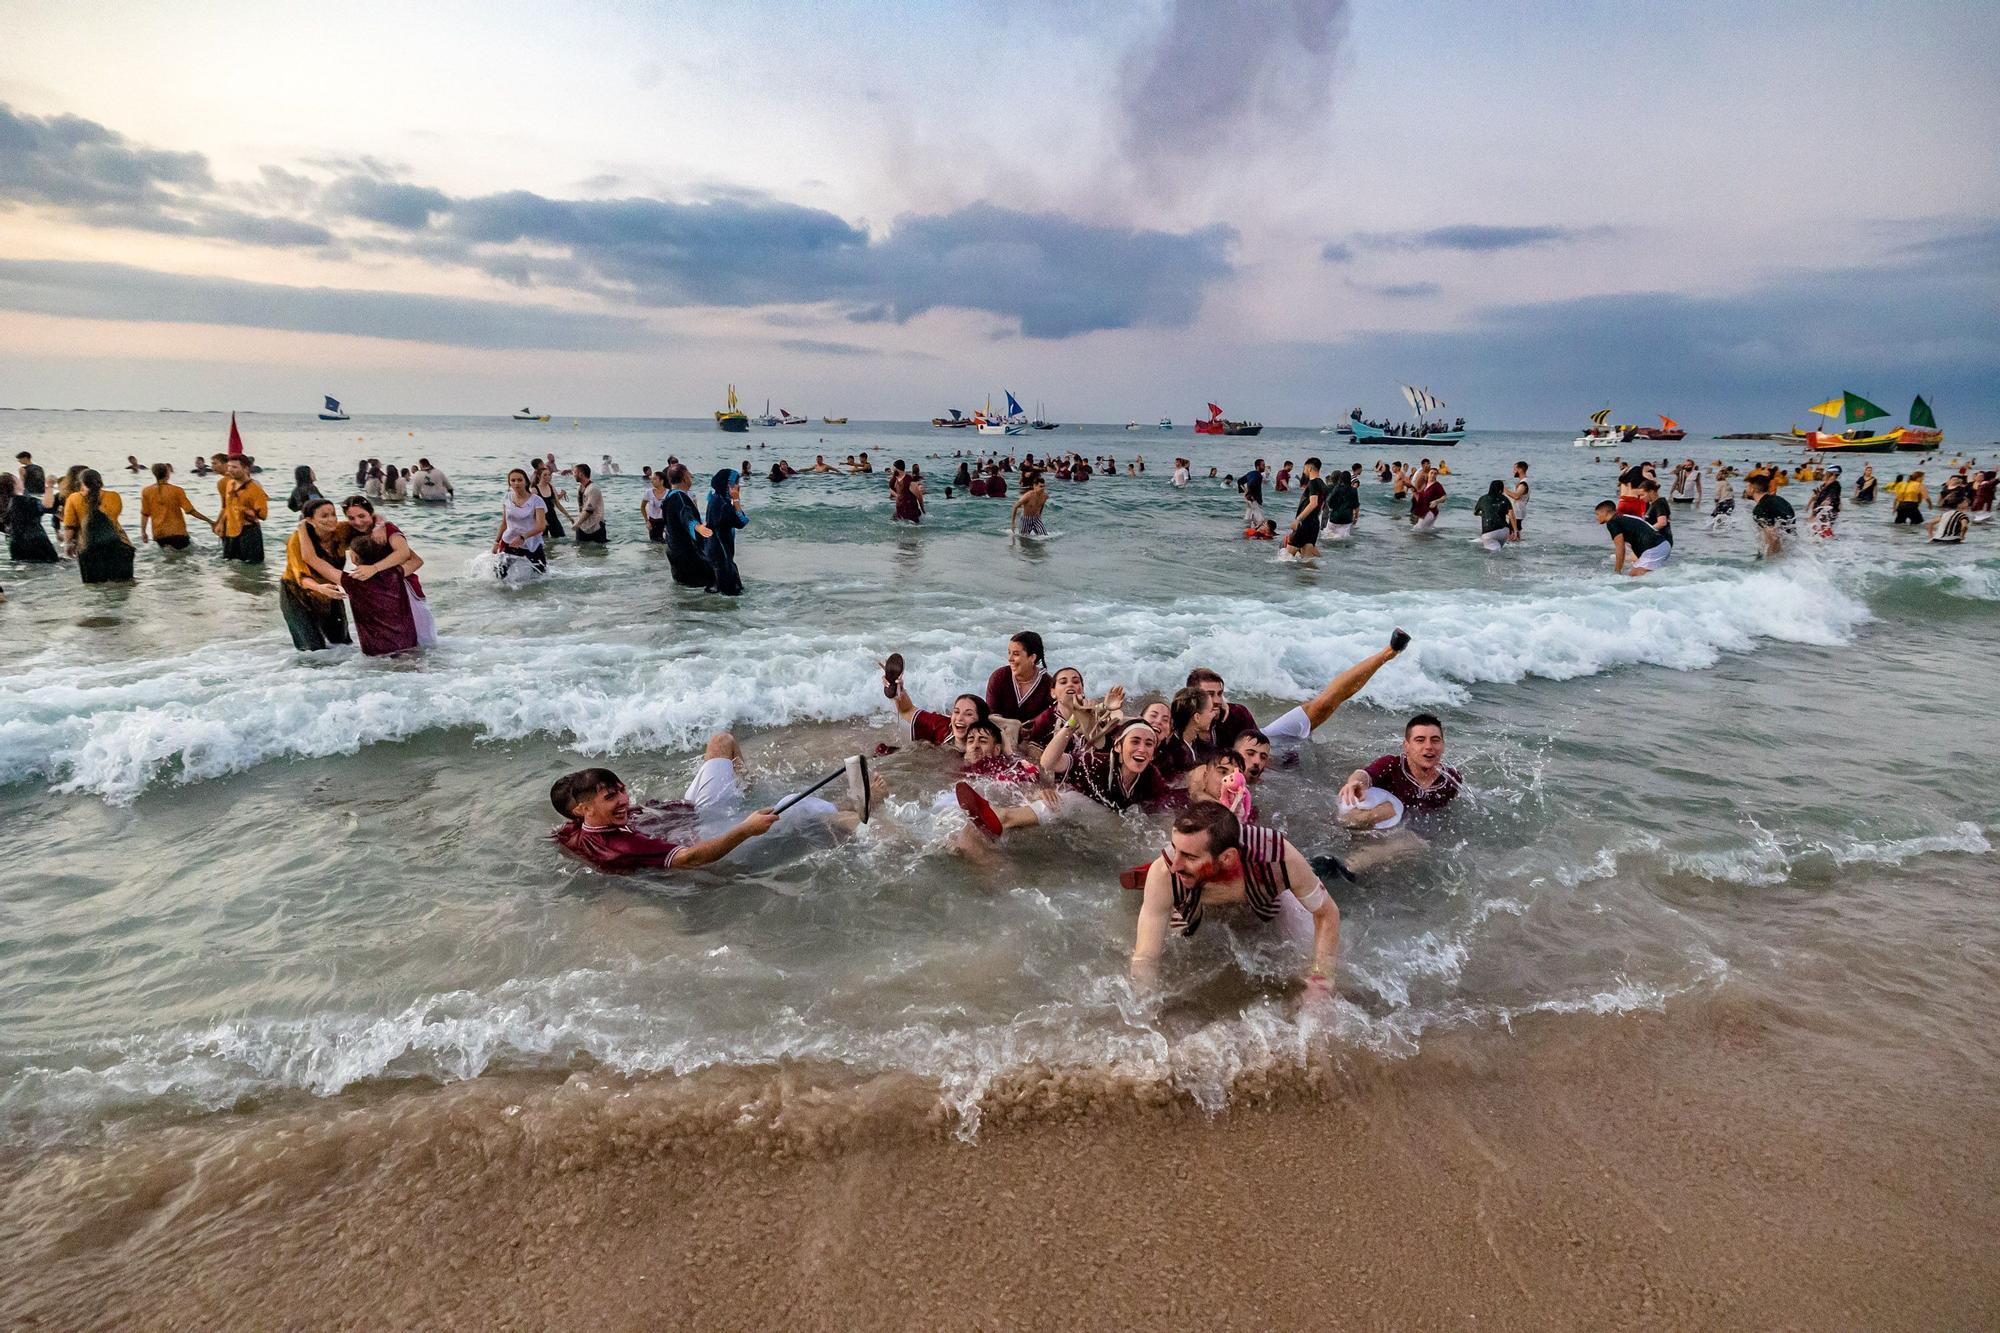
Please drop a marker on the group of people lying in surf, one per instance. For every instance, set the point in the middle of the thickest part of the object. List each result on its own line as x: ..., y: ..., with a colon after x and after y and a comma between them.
x: 1034, y: 749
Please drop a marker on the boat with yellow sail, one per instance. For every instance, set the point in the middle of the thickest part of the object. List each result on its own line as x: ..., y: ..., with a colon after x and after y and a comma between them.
x: 732, y: 420
x: 1853, y: 409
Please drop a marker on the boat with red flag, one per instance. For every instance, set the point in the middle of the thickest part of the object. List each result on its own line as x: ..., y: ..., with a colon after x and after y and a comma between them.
x: 1217, y: 424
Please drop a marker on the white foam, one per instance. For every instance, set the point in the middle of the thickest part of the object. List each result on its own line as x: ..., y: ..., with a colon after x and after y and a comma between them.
x: 116, y: 729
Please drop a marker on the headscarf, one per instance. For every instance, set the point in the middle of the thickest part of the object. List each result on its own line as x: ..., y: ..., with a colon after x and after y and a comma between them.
x: 720, y: 508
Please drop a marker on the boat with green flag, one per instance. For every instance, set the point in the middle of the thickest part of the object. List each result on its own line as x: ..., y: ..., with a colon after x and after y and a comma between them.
x: 1923, y: 433
x: 1852, y: 409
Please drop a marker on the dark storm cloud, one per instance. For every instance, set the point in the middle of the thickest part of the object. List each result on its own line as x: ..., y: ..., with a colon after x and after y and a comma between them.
x: 121, y: 292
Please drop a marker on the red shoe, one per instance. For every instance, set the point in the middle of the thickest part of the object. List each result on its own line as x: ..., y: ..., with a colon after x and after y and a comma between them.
x: 979, y: 808
x: 1135, y: 878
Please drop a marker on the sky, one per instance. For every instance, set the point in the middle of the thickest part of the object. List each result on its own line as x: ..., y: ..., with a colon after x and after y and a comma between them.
x: 1123, y: 211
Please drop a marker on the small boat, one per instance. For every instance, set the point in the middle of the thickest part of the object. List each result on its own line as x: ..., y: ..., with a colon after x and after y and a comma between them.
x: 526, y: 415
x: 1601, y: 433
x: 767, y: 420
x: 833, y: 421
x: 333, y: 412
x: 1217, y: 425
x: 1166, y: 423
x: 1922, y: 433
x: 1669, y: 430
x: 785, y: 418
x: 952, y: 422
x: 1853, y: 409
x: 1041, y: 421
x: 1013, y: 423
x: 1131, y: 425
x: 732, y: 419
x: 1427, y: 430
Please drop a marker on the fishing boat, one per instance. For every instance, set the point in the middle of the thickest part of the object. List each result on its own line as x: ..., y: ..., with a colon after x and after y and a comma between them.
x: 785, y: 418
x: 1601, y: 432
x: 767, y: 420
x: 1013, y: 423
x: 528, y: 414
x: 834, y: 421
x: 1344, y: 428
x: 1853, y: 409
x: 1166, y: 423
x: 1669, y: 429
x: 1427, y: 430
x: 1218, y: 425
x: 1041, y: 421
x: 732, y: 419
x: 1922, y: 433
x: 952, y: 422
x: 333, y: 412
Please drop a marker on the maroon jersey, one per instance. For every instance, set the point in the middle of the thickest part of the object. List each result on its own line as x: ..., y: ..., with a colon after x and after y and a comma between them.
x: 624, y: 847
x: 1096, y: 775
x: 1002, y: 701
x: 1392, y: 775
x: 1235, y: 720
x: 930, y: 728
x: 1004, y: 768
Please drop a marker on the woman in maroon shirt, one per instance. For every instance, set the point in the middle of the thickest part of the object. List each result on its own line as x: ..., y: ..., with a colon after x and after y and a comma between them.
x: 1021, y: 689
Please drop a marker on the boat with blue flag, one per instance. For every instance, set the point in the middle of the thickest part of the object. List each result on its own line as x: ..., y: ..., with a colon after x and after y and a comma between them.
x: 333, y: 412
x: 1013, y: 423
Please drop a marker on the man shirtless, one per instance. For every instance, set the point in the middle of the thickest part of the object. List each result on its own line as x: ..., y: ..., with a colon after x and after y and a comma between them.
x: 1026, y: 516
x: 1214, y: 861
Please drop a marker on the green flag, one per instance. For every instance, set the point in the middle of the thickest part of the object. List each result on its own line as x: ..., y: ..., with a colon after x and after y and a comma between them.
x: 1920, y: 415
x: 1856, y: 408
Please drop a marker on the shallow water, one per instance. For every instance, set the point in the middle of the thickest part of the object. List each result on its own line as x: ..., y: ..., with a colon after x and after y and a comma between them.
x: 239, y: 877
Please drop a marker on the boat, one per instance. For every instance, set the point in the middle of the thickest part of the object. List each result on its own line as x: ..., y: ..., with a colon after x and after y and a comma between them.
x: 952, y: 422
x: 1428, y: 430
x: 526, y: 414
x: 1600, y: 432
x: 834, y: 421
x: 767, y: 420
x: 1218, y: 425
x: 1669, y: 429
x: 1131, y: 425
x: 1922, y: 433
x: 1041, y: 421
x: 333, y: 412
x: 1344, y: 428
x: 1013, y: 423
x: 732, y: 419
x: 1853, y: 409
x: 1166, y: 423
x: 785, y: 418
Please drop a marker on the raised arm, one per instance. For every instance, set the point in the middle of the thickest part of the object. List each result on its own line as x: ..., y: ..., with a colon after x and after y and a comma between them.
x: 710, y: 850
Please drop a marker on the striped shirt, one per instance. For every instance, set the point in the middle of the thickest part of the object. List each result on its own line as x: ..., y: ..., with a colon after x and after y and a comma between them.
x: 1264, y: 878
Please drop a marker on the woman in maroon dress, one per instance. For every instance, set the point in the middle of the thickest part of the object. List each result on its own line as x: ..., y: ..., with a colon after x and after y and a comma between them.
x: 1021, y: 689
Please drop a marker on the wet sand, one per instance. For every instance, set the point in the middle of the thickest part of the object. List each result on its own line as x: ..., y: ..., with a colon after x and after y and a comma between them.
x: 1706, y: 1167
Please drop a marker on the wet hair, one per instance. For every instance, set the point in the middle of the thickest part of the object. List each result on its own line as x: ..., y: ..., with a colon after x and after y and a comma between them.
x: 524, y: 476
x: 1604, y: 505
x: 160, y: 471
x: 357, y: 502
x: 978, y: 706
x: 93, y: 489
x: 1312, y: 463
x: 570, y: 788
x: 423, y: 462
x: 8, y: 486
x: 1184, y: 705
x: 1498, y: 487
x: 582, y: 470
x: 1202, y: 676
x: 1214, y: 819
x: 1031, y: 643
x: 34, y: 480
x: 1251, y: 734
x: 677, y: 474
x: 1124, y: 729
x: 1422, y: 720
x: 985, y: 726
x: 314, y: 505
x: 1059, y: 670
x: 361, y: 472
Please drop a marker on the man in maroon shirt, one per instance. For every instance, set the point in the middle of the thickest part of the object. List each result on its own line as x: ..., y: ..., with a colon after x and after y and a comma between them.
x: 1417, y: 778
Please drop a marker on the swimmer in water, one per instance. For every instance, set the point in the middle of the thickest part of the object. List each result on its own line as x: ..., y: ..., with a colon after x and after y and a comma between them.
x: 1214, y: 860
x: 1025, y: 518
x: 1117, y: 778
x: 1417, y: 778
x: 1633, y: 538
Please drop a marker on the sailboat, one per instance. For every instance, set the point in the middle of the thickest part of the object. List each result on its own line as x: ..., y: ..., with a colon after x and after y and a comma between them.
x: 785, y: 418
x: 1853, y: 409
x: 767, y: 420
x: 1216, y: 425
x: 1669, y: 430
x: 1428, y: 430
x: 1601, y: 432
x: 834, y: 421
x: 1041, y: 421
x: 1012, y: 424
x: 333, y: 412
x: 1922, y: 433
x: 955, y: 420
x: 733, y: 419
x: 527, y: 414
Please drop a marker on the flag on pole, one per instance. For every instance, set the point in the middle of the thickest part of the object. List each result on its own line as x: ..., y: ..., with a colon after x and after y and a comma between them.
x: 235, y: 439
x: 1858, y: 408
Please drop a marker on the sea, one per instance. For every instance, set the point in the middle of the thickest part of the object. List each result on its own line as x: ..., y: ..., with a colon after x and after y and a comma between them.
x: 242, y: 884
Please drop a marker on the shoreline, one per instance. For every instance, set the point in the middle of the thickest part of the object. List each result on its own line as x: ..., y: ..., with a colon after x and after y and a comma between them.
x: 1709, y: 1165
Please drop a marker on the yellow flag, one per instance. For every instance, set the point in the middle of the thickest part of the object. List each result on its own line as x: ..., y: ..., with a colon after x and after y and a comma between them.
x: 1830, y: 408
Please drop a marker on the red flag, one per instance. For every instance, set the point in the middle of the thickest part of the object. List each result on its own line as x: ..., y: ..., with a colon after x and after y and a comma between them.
x: 235, y: 440
x: 1214, y: 411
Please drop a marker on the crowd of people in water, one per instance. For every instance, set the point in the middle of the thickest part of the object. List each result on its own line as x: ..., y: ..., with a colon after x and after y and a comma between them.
x: 1034, y: 749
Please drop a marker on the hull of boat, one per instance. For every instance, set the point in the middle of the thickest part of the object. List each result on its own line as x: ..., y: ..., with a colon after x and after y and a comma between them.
x: 1660, y: 435
x: 1000, y: 428
x: 1916, y: 439
x: 1364, y: 431
x: 334, y: 416
x: 834, y: 421
x: 1242, y: 428
x: 733, y: 422
x: 522, y: 417
x: 1044, y: 425
x: 1868, y: 444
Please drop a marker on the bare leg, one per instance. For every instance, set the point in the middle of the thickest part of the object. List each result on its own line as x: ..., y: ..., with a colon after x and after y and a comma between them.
x: 1382, y: 849
x: 1344, y: 687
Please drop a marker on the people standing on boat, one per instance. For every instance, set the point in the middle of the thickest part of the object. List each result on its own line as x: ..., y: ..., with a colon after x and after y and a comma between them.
x: 724, y: 516
x: 590, y: 528
x: 162, y: 510
x: 21, y: 517
x: 523, y: 523
x: 244, y: 509
x: 93, y: 534
x: 310, y: 594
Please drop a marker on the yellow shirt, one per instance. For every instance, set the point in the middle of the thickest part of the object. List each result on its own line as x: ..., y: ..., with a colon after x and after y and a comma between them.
x: 242, y: 502
x: 162, y: 505
x: 296, y: 568
x: 110, y: 502
x: 1910, y: 491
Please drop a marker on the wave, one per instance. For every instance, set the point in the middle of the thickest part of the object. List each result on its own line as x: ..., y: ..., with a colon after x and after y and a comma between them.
x: 1772, y: 858
x: 116, y: 729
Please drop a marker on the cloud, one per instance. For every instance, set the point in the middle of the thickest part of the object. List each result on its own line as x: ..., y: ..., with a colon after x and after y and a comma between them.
x: 121, y: 292
x: 1463, y: 238
x: 77, y: 163
x: 391, y: 203
x: 1215, y: 71
x: 818, y: 347
x: 1405, y: 291
x: 1333, y: 252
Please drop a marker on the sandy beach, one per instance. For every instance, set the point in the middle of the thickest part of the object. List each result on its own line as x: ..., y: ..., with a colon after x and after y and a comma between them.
x: 1708, y: 1167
